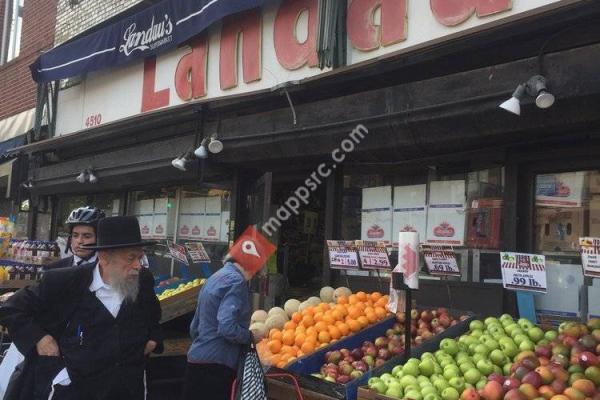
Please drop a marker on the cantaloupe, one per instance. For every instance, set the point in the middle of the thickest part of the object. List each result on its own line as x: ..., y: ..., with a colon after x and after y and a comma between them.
x: 341, y: 291
x: 275, y: 322
x: 303, y: 306
x: 259, y: 329
x: 326, y: 294
x: 291, y: 306
x: 259, y: 316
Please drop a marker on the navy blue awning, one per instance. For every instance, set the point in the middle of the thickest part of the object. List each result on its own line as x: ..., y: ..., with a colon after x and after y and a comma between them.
x: 11, y: 144
x: 163, y: 26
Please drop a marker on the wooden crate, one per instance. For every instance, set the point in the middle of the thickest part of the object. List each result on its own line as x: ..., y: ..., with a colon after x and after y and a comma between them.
x: 175, y: 347
x: 180, y: 304
x: 364, y: 393
x: 17, y: 283
x: 279, y: 390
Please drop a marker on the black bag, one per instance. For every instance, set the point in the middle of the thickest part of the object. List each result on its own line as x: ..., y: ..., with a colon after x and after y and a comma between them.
x: 250, y: 383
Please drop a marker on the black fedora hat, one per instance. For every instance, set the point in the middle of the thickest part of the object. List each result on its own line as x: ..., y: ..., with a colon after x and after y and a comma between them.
x: 118, y: 233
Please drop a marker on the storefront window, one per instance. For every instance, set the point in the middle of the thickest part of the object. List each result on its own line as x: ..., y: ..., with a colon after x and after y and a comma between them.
x: 462, y: 210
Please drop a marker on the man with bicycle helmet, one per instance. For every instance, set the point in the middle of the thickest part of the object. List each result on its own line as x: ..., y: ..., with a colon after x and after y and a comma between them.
x: 82, y: 223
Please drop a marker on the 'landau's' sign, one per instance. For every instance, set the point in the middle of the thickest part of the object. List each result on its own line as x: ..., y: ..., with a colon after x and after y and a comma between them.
x: 156, y: 35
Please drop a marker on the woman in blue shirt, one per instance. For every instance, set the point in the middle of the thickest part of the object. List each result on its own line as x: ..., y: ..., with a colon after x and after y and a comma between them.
x: 219, y: 332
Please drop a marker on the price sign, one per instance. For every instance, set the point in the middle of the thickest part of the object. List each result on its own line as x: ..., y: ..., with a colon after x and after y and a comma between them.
x: 440, y: 261
x: 197, y: 252
x: 342, y: 254
x: 590, y: 256
x: 373, y: 255
x: 523, y: 272
x: 177, y: 251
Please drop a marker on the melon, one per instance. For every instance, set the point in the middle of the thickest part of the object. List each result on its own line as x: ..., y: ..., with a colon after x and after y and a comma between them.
x: 275, y: 322
x: 303, y: 306
x: 291, y: 306
x: 278, y: 311
x: 259, y: 329
x: 259, y: 316
x: 314, y: 301
x: 341, y: 291
x: 326, y: 294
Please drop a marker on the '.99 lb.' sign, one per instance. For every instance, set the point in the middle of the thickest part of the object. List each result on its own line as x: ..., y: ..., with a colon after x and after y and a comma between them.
x: 523, y: 272
x: 342, y: 254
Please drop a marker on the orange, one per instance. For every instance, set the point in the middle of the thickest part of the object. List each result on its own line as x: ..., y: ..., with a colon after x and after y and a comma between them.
x: 321, y: 326
x: 285, y: 349
x: 309, y: 311
x: 323, y: 307
x: 328, y: 319
x: 372, y: 317
x: 318, y: 316
x: 342, y: 310
x: 354, y: 312
x: 280, y: 364
x: 376, y: 296
x: 288, y: 338
x: 344, y: 328
x: 299, y: 339
x: 352, y: 299
x: 380, y: 312
x: 291, y: 325
x: 307, y: 347
x: 274, y: 346
x: 335, y: 332
x: 337, y: 315
x: 297, y: 317
x: 342, y: 300
x: 363, y: 321
x: 276, y: 334
x: 354, y: 325
x: 324, y: 337
x: 382, y: 302
x: 308, y: 321
x: 274, y: 359
x: 369, y: 310
x: 362, y: 296
x: 311, y: 331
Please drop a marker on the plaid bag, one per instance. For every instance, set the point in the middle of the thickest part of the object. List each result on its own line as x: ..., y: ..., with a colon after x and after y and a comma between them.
x: 250, y: 383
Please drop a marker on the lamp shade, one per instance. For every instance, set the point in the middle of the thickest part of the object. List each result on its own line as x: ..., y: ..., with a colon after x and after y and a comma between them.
x: 201, y: 152
x: 215, y: 146
x: 544, y: 99
x: 179, y: 163
x: 512, y: 105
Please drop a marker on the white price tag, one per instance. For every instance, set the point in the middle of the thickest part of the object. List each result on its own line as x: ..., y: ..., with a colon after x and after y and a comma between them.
x: 342, y: 254
x: 373, y: 255
x: 523, y: 272
x: 590, y: 256
x: 440, y: 261
x: 197, y: 252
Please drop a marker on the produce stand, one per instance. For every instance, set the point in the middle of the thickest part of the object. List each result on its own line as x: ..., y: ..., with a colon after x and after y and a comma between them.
x: 305, y: 366
x: 17, y: 283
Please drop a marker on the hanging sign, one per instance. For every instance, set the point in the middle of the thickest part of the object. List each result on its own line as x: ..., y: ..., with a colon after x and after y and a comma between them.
x: 523, y: 272
x: 342, y: 254
x: 178, y: 252
x: 373, y: 255
x: 197, y: 252
x: 590, y: 256
x: 440, y: 260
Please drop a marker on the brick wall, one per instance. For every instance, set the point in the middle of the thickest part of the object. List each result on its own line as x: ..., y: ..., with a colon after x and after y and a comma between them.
x: 17, y: 89
x: 76, y: 16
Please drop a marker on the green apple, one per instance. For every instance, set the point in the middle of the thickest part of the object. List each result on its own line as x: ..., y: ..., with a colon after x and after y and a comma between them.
x: 450, y: 346
x: 464, y: 367
x: 535, y: 334
x: 478, y: 356
x: 450, y: 393
x: 447, y: 362
x: 593, y: 374
x: 482, y: 349
x: 527, y: 345
x: 519, y: 338
x: 506, y: 369
x: 394, y: 392
x: 485, y: 367
x: 437, y: 369
x: 408, y: 380
x: 490, y: 321
x: 508, y: 347
x: 411, y: 368
x: 414, y: 395
x: 428, y: 389
x: 379, y: 386
x: 397, y: 371
x: 512, y: 327
x: 476, y: 333
x: 525, y: 324
x: 476, y: 324
x: 431, y: 397
x: 481, y: 384
x: 422, y: 379
x: 387, y: 378
x: 506, y: 319
x: 440, y: 385
x: 491, y: 344
x: 451, y: 373
x: 457, y: 383
x: 498, y: 370
x: 496, y: 329
x: 550, y: 335
x: 427, y: 367
x: 472, y: 376
x: 427, y: 355
x: 497, y: 357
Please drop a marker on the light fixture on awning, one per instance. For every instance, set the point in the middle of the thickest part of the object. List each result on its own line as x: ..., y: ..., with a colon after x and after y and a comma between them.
x: 535, y: 87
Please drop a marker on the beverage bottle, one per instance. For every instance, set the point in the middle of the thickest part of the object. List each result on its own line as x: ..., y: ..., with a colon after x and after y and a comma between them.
x: 34, y: 252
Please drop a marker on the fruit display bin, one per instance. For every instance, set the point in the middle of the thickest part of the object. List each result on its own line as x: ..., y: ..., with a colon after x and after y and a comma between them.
x: 179, y: 304
x: 305, y: 366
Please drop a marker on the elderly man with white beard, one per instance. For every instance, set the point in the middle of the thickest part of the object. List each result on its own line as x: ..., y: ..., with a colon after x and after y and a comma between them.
x: 86, y: 331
